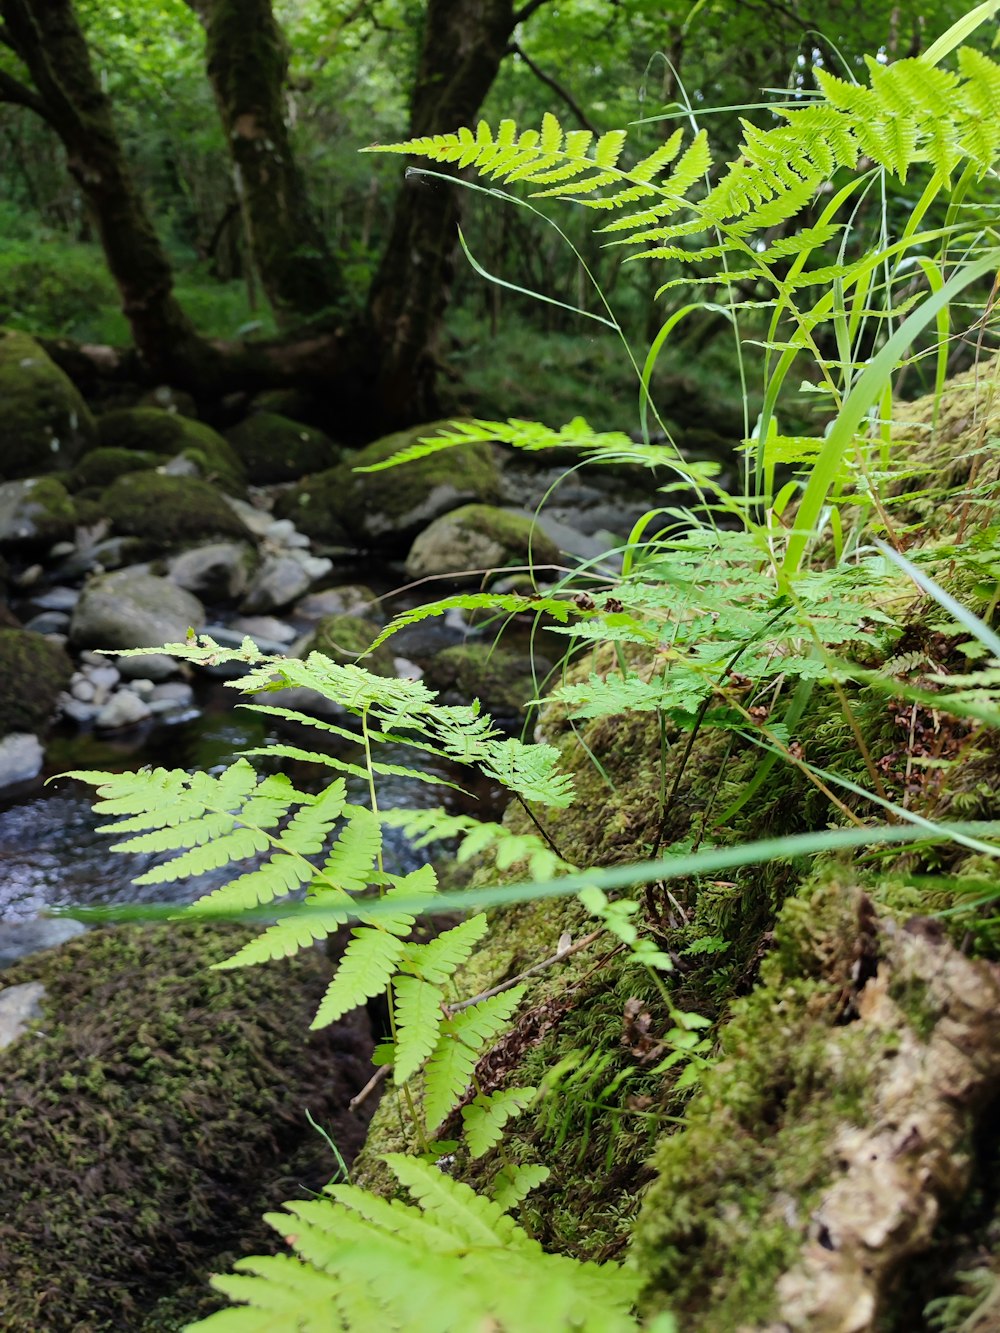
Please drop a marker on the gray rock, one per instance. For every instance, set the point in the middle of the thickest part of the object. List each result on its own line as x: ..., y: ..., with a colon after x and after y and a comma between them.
x: 280, y: 580
x: 268, y: 627
x: 18, y: 939
x: 258, y: 521
x: 112, y: 553
x: 21, y: 758
x: 82, y: 689
x: 133, y: 609
x: 33, y: 510
x: 81, y: 713
x: 476, y: 538
x: 104, y: 677
x: 217, y: 572
x: 18, y: 1006
x: 348, y: 599
x: 57, y: 599
x: 123, y: 709
x: 151, y: 666
x: 48, y: 622
x: 141, y: 687
x: 176, y: 693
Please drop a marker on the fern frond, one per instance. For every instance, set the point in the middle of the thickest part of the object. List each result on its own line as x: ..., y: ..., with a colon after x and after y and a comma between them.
x: 530, y: 771
x: 514, y: 1183
x: 368, y: 962
x: 485, y: 1117
x: 438, y: 960
x: 419, y: 1015
x: 350, y: 863
x: 451, y: 1064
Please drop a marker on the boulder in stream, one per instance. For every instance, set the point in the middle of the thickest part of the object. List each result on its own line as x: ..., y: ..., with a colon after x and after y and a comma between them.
x: 33, y: 672
x: 46, y: 423
x: 131, y: 608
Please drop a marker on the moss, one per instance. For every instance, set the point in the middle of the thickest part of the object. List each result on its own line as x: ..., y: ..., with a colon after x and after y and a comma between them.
x: 46, y: 422
x: 167, y: 434
x: 37, y: 512
x: 345, y: 637
x: 169, y: 510
x: 273, y: 448
x: 101, y: 467
x: 479, y: 536
x: 390, y: 507
x: 501, y: 678
x: 33, y: 670
x: 152, y: 1114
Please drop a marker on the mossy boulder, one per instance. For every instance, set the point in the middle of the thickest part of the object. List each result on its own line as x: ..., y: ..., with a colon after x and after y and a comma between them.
x: 35, y: 511
x: 503, y: 679
x: 101, y: 467
x: 273, y: 448
x: 131, y: 608
x: 33, y: 671
x: 389, y: 508
x: 46, y: 423
x: 152, y: 1114
x: 479, y: 537
x: 343, y: 638
x: 169, y: 511
x: 170, y: 435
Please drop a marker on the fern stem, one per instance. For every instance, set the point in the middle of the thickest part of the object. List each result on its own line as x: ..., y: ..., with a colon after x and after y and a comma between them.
x: 539, y: 825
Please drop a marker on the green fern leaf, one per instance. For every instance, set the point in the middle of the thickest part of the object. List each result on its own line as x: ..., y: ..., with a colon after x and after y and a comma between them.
x: 309, y: 828
x: 658, y: 159
x: 368, y: 962
x: 238, y: 845
x: 288, y: 937
x: 438, y: 960
x: 485, y: 1116
x: 530, y: 771
x: 478, y: 1220
x: 419, y: 1015
x: 451, y: 1064
x: 514, y: 1183
x: 420, y: 883
x: 350, y: 864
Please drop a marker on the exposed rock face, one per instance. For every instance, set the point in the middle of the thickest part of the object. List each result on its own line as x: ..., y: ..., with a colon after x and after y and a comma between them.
x: 131, y: 608
x: 170, y: 435
x: 478, y: 537
x: 33, y: 671
x: 375, y: 509
x: 46, y: 424
x: 21, y: 758
x: 19, y: 1005
x: 217, y: 572
x: 34, y: 511
x: 273, y: 448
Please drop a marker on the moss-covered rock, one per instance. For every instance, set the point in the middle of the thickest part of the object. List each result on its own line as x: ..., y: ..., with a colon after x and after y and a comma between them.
x: 101, y: 467
x: 33, y: 671
x: 152, y: 1115
x: 273, y: 448
x: 390, y: 508
x: 46, y: 423
x: 478, y: 537
x: 35, y: 511
x: 343, y: 638
x: 131, y: 608
x: 169, y: 511
x: 501, y: 678
x: 170, y: 435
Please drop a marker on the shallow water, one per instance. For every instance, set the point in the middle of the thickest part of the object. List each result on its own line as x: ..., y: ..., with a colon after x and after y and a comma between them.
x: 51, y: 854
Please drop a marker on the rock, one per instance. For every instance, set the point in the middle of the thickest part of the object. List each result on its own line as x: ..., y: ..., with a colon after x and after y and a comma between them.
x: 217, y: 572
x: 273, y: 448
x: 48, y: 622
x: 170, y: 435
x: 152, y: 666
x: 19, y: 1005
x: 175, y: 693
x: 123, y: 709
x: 46, y: 423
x: 258, y: 521
x: 20, y: 938
x: 21, y: 758
x: 343, y: 638
x: 133, y: 609
x: 279, y: 581
x: 103, y: 554
x: 499, y: 677
x: 82, y: 689
x: 168, y: 399
x: 478, y: 537
x: 101, y: 467
x: 373, y: 508
x: 104, y: 677
x: 169, y: 511
x: 56, y: 599
x: 35, y: 510
x: 33, y: 672
x: 349, y: 599
x: 141, y: 687
x: 267, y: 627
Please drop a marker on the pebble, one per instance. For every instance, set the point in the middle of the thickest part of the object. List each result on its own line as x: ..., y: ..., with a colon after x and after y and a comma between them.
x: 142, y: 687
x: 18, y: 1006
x: 152, y: 666
x: 267, y: 627
x: 21, y: 758
x: 123, y: 709
x: 48, y: 622
x: 83, y: 689
x: 57, y: 599
x: 174, y: 693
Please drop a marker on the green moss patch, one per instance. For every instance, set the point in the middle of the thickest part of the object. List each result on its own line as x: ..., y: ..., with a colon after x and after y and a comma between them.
x: 168, y: 434
x: 101, y: 467
x: 152, y: 1113
x: 46, y: 423
x: 273, y: 448
x: 169, y: 510
x: 33, y: 670
x: 344, y: 637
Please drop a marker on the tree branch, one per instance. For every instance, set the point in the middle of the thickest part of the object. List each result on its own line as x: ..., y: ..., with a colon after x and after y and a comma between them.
x: 526, y: 10
x: 19, y: 94
x: 557, y: 88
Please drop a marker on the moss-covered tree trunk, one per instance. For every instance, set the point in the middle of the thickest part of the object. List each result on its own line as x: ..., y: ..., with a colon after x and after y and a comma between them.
x: 463, y: 44
x: 46, y: 36
x: 247, y: 64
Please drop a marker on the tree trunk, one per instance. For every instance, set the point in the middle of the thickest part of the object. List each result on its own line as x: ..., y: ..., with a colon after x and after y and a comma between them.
x: 247, y: 64
x: 48, y: 39
x: 463, y: 44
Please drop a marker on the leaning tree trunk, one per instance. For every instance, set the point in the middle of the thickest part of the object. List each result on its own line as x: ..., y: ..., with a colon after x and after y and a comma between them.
x: 47, y: 37
x: 463, y: 44
x: 247, y: 64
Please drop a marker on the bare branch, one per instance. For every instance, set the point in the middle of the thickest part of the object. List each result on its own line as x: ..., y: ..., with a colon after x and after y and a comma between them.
x: 19, y: 94
x: 526, y: 10
x: 556, y: 87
